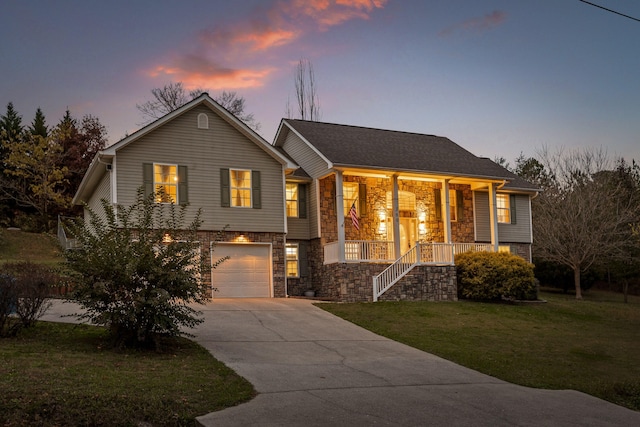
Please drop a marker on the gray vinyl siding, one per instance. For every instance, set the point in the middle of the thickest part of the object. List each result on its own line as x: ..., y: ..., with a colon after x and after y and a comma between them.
x: 102, y: 191
x: 520, y: 232
x: 298, y: 228
x: 205, y: 152
x: 316, y: 167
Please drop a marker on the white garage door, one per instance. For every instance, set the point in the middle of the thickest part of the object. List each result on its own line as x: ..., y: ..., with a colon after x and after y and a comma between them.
x: 247, y: 272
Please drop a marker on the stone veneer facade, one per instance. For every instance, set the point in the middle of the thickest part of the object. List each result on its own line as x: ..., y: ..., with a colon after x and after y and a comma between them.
x: 353, y: 282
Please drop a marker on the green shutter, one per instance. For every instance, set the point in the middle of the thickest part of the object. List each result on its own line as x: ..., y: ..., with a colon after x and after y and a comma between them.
x: 147, y: 178
x: 302, y: 201
x: 183, y: 187
x: 459, y: 205
x: 362, y: 200
x: 437, y: 197
x: 256, y: 194
x: 303, y: 264
x: 512, y: 208
x: 225, y: 188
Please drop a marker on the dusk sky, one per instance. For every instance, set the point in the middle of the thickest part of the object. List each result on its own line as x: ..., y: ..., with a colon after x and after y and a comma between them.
x: 499, y: 77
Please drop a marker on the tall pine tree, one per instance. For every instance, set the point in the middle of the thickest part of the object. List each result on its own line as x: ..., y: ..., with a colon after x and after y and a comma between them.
x: 39, y: 125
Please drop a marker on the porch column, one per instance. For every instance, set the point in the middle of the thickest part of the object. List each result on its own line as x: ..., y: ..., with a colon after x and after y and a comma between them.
x: 340, y: 215
x: 395, y: 205
x: 493, y: 216
x: 446, y: 209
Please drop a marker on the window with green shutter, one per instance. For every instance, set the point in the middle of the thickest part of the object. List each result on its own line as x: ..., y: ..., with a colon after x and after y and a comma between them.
x: 240, y: 188
x: 168, y: 182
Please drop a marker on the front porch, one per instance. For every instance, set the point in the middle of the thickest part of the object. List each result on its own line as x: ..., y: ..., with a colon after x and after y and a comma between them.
x: 390, y: 235
x: 435, y: 253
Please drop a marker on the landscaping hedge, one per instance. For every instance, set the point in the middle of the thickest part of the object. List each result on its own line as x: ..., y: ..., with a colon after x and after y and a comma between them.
x: 494, y: 276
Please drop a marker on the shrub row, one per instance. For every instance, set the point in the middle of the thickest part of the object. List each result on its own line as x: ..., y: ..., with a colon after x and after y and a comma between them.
x: 495, y: 276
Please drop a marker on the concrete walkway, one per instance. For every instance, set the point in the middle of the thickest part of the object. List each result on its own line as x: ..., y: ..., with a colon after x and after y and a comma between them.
x: 311, y: 368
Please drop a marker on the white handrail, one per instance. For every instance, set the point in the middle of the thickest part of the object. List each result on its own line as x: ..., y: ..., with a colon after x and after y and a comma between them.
x: 396, y: 271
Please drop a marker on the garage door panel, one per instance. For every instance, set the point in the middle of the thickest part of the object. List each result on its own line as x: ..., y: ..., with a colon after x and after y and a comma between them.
x: 247, y: 272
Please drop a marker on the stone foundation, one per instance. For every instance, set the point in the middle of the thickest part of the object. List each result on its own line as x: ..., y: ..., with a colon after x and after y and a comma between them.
x: 425, y: 283
x: 351, y: 282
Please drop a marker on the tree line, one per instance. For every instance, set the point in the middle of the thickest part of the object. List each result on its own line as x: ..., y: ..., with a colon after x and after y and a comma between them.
x: 41, y: 166
x: 586, y: 218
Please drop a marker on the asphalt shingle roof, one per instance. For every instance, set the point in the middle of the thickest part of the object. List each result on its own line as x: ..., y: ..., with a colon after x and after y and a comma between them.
x: 354, y: 146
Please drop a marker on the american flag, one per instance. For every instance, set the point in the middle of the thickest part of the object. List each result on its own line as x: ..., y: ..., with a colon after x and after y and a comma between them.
x: 354, y: 216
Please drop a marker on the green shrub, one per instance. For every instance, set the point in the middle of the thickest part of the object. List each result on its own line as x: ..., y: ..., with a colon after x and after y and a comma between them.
x: 494, y: 276
x: 140, y: 270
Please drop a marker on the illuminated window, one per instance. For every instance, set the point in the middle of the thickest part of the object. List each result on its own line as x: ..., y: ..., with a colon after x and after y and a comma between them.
x: 292, y: 200
x: 350, y: 196
x: 453, y: 205
x: 240, y: 188
x: 504, y: 209
x: 292, y: 260
x: 165, y: 183
x: 504, y: 248
x: 406, y: 201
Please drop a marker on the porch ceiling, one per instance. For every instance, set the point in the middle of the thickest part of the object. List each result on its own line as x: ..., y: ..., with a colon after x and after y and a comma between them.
x: 474, y: 182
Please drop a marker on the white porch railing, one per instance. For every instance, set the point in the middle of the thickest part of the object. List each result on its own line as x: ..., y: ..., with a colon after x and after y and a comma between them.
x: 359, y: 251
x: 422, y: 254
x: 65, y: 242
x: 382, y: 251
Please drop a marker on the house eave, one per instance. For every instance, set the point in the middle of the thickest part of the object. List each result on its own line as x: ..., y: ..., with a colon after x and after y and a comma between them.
x: 96, y: 170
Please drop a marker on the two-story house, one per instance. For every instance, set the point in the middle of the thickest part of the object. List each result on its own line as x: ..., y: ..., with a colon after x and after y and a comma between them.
x: 355, y: 214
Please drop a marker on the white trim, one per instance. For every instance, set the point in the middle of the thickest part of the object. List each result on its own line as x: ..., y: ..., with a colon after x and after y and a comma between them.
x: 164, y: 183
x: 318, y: 210
x: 114, y: 182
x: 286, y: 260
x: 203, y: 121
x: 303, y: 139
x: 231, y: 187
x: 446, y: 210
x: 340, y: 216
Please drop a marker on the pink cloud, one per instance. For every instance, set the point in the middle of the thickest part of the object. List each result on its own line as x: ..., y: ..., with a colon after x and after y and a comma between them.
x: 247, y: 42
x: 198, y: 72
x: 487, y: 22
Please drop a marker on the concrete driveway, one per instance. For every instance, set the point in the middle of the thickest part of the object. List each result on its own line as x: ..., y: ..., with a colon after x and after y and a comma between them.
x: 311, y: 368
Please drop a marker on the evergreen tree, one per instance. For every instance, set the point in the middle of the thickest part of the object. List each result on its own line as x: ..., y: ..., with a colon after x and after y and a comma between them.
x: 79, y: 143
x: 11, y: 123
x: 39, y: 125
x: 10, y: 131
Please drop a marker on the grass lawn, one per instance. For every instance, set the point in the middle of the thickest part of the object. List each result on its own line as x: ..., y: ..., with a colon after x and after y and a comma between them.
x: 591, y: 345
x: 36, y: 247
x: 63, y: 374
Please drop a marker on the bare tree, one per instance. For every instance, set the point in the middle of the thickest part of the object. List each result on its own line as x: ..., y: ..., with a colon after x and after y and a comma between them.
x: 306, y: 96
x: 173, y: 95
x: 165, y: 100
x: 236, y: 105
x: 584, y: 214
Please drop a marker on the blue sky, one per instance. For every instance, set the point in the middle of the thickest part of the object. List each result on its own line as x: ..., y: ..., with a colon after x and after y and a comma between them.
x: 499, y: 77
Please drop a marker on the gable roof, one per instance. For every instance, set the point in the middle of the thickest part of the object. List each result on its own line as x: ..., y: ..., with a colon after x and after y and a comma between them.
x: 96, y: 171
x: 361, y: 147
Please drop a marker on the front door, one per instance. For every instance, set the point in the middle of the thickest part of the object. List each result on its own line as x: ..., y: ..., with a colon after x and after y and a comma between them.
x: 408, y: 233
